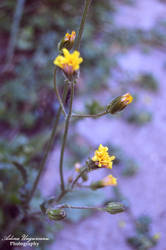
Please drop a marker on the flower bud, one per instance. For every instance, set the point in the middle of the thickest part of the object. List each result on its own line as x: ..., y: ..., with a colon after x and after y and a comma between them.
x: 67, y: 41
x: 106, y: 181
x: 96, y: 185
x: 56, y: 214
x: 77, y: 167
x: 119, y: 103
x: 114, y: 207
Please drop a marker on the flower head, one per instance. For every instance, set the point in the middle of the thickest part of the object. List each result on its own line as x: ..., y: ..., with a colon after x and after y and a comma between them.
x: 109, y: 181
x: 102, y: 157
x: 70, y: 37
x: 68, y: 62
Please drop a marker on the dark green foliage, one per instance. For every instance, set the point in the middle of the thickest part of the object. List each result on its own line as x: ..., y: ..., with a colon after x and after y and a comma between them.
x: 94, y: 107
x: 128, y: 166
x: 147, y: 81
x: 143, y: 239
x: 141, y: 242
x: 139, y: 117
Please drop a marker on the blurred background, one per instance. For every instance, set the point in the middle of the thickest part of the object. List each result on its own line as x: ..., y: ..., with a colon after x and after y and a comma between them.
x: 123, y: 47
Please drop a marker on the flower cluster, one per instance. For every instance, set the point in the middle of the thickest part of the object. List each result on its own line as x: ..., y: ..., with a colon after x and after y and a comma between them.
x: 102, y: 157
x: 68, y: 62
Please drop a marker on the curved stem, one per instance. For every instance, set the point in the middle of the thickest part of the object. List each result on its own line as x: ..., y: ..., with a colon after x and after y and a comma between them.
x: 50, y: 143
x: 78, y: 176
x: 65, y: 137
x: 58, y: 95
x: 84, y: 15
x: 61, y: 195
x: 89, y: 116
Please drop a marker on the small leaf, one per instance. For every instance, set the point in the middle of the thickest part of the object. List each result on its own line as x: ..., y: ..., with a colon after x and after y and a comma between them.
x: 22, y: 171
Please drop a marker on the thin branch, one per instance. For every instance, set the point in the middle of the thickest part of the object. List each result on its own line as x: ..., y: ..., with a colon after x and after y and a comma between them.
x: 88, y: 115
x: 62, y: 194
x: 14, y: 29
x: 84, y: 15
x: 78, y: 176
x: 65, y: 137
x: 22, y: 170
x: 50, y: 143
x: 58, y: 95
x: 77, y: 207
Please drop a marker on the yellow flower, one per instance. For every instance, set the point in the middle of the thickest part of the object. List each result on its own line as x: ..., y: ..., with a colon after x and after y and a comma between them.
x: 70, y: 37
x: 109, y: 181
x: 126, y: 98
x: 102, y: 158
x: 69, y: 62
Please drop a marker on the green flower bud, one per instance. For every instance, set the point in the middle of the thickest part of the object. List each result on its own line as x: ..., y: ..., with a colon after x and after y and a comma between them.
x: 56, y: 214
x: 96, y: 185
x: 119, y: 103
x: 114, y: 208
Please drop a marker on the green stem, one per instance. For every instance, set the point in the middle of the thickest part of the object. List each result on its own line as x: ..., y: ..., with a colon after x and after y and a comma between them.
x: 84, y: 186
x: 50, y: 143
x: 77, y: 207
x: 84, y: 15
x: 61, y: 195
x: 65, y: 137
x: 78, y: 176
x: 89, y: 116
x: 58, y: 95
